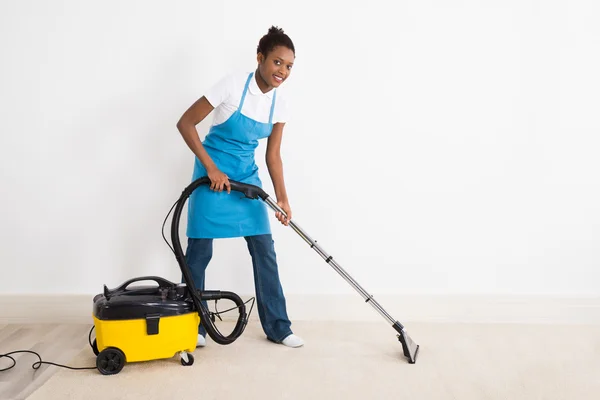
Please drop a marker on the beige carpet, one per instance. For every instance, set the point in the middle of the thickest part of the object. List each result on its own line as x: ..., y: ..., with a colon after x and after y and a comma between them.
x: 358, y: 361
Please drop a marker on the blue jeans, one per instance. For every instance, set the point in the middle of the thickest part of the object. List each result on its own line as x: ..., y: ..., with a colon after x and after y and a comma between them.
x: 270, y: 300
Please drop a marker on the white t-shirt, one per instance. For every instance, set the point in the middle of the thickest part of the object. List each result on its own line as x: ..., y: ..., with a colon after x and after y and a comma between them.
x: 226, y: 94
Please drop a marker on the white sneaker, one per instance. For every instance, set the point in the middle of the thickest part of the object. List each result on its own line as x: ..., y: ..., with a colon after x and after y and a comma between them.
x: 293, y: 341
x: 201, y: 342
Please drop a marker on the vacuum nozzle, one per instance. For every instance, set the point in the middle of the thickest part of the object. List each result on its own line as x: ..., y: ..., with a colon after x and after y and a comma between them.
x: 410, y: 348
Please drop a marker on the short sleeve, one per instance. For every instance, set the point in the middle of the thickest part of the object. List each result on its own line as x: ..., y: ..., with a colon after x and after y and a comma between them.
x: 282, y: 111
x: 220, y: 91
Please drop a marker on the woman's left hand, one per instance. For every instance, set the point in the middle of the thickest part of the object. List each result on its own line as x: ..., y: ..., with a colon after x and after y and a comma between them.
x: 285, y: 206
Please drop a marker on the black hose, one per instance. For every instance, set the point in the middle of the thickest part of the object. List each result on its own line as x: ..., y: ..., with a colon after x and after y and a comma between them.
x: 197, y: 295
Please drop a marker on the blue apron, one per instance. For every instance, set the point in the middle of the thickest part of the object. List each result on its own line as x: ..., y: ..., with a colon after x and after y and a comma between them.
x: 231, y: 146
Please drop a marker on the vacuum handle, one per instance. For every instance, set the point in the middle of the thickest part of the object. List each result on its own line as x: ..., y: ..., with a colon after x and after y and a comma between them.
x: 162, y: 283
x: 250, y: 191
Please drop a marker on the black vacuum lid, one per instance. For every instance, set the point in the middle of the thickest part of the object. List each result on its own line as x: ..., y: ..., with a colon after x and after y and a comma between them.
x: 138, y: 302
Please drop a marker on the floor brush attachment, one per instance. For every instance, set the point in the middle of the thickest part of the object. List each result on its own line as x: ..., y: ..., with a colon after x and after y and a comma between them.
x: 410, y: 348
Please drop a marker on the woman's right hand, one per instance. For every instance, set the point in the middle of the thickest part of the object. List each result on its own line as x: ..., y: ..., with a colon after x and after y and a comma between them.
x: 218, y: 180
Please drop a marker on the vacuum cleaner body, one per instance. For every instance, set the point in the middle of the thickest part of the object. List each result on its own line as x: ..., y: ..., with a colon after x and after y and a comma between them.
x: 144, y: 323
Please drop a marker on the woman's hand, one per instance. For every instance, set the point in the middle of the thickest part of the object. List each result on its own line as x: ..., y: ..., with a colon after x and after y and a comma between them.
x: 218, y: 180
x: 285, y: 206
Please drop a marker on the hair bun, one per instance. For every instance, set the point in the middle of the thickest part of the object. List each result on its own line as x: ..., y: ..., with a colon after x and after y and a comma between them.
x: 273, y: 30
x: 275, y: 37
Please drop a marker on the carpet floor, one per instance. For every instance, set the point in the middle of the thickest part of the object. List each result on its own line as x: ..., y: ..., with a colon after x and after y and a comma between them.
x: 348, y: 360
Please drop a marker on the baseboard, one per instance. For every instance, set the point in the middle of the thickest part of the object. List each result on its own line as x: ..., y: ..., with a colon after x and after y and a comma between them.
x: 348, y: 307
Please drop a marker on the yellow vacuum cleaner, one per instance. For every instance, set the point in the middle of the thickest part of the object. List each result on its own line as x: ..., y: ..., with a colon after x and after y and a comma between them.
x: 143, y: 323
x: 153, y: 322
x: 146, y: 323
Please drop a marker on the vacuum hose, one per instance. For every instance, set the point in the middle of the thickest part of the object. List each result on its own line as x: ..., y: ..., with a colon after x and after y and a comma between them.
x: 252, y: 192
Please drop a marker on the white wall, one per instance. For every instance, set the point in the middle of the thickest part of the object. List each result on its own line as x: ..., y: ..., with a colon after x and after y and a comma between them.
x: 436, y: 147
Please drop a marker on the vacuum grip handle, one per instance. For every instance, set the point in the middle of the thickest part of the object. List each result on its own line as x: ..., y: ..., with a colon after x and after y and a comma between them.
x: 162, y: 282
x: 250, y: 191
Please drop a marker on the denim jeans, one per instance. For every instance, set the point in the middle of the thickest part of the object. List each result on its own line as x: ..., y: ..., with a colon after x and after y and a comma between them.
x: 270, y: 300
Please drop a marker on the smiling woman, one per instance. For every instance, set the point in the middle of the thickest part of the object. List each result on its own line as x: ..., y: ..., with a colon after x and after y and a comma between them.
x: 247, y: 108
x: 275, y: 58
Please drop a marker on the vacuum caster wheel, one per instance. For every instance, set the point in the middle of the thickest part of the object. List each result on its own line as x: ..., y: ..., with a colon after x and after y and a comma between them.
x: 95, y: 347
x: 110, y: 361
x: 189, y: 361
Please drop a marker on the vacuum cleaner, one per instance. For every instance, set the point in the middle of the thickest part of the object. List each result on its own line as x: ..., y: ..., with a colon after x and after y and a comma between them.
x: 145, y: 323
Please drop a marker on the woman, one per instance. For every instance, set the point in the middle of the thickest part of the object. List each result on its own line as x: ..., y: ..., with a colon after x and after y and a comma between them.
x: 247, y: 109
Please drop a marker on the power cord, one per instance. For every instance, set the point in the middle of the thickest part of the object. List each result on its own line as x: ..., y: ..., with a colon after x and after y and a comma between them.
x: 38, y: 364
x: 163, y: 227
x: 217, y: 313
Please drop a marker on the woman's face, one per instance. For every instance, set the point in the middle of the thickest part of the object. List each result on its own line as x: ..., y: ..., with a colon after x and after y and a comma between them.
x: 276, y: 68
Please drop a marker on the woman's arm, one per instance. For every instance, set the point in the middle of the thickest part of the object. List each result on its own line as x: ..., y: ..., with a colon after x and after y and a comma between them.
x: 275, y: 167
x: 187, y: 127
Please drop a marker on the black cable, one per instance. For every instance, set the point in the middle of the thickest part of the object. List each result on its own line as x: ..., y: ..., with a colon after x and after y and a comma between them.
x: 38, y: 364
x: 163, y: 227
x: 217, y: 313
x: 233, y: 308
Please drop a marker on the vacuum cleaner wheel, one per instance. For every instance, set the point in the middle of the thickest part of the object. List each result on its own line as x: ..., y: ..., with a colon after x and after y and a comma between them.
x: 110, y: 361
x: 189, y: 361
